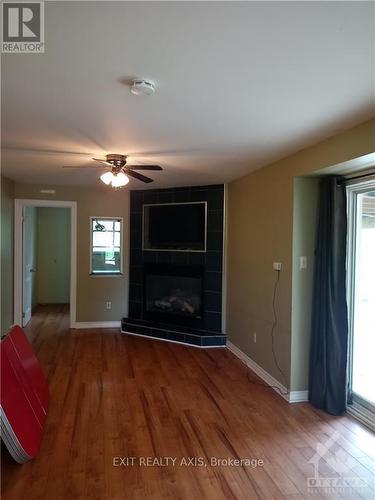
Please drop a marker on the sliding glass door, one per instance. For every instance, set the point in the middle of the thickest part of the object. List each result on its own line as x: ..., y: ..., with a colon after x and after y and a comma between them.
x: 361, y: 297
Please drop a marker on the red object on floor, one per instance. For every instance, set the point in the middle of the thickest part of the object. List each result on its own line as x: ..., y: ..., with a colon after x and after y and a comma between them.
x: 24, y: 396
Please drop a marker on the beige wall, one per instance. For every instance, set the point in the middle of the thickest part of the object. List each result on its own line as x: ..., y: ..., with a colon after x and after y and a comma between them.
x: 92, y: 292
x: 260, y: 231
x: 53, y: 255
x: 7, y: 222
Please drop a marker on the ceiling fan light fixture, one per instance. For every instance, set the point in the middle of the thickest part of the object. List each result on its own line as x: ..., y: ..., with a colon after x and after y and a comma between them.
x: 107, y: 178
x: 120, y: 180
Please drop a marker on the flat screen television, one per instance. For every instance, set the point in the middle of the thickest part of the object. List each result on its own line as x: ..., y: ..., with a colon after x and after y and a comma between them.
x: 175, y: 226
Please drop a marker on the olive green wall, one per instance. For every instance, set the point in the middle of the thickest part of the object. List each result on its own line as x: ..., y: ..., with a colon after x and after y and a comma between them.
x: 53, y: 255
x: 92, y: 292
x: 7, y: 227
x: 305, y: 216
x: 260, y: 231
x: 30, y: 246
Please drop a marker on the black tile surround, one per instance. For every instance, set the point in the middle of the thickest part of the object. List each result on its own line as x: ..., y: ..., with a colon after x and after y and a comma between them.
x: 211, y: 261
x: 174, y: 333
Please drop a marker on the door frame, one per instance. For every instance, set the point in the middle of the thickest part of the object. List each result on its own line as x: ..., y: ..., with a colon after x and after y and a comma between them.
x: 27, y: 308
x: 19, y: 205
x: 356, y: 405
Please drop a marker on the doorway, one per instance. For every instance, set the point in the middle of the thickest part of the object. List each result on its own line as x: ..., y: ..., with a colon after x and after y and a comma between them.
x: 361, y: 298
x: 45, y: 256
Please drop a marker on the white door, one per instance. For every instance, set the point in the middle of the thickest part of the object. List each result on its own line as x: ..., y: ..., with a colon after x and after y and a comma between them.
x: 29, y: 261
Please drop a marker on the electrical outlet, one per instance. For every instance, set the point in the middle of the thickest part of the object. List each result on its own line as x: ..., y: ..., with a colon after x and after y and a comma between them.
x: 277, y: 266
x: 303, y: 262
x: 108, y: 305
x: 255, y: 337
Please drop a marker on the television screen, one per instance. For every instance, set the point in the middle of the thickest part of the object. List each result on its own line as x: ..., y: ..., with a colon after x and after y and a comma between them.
x: 180, y: 226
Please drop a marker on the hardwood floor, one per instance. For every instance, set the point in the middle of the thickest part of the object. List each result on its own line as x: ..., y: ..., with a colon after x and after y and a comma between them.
x: 114, y: 395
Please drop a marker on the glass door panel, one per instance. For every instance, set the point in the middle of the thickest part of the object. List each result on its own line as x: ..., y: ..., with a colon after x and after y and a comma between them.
x: 361, y: 292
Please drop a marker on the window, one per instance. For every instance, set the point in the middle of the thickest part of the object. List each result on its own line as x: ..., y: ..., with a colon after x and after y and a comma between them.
x: 106, y: 246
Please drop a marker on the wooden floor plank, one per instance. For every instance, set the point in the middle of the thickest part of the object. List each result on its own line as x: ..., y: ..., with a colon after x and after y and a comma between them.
x: 114, y: 395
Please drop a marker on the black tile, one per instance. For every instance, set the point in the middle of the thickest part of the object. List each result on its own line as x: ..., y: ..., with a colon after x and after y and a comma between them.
x: 215, y: 187
x: 215, y: 199
x: 213, y: 301
x: 180, y: 258
x: 150, y: 197
x: 135, y: 257
x: 129, y: 327
x: 199, y: 195
x: 135, y: 310
x: 212, y: 281
x: 193, y: 339
x: 136, y: 222
x: 136, y: 292
x: 159, y: 334
x: 143, y: 330
x: 150, y: 257
x: 197, y: 258
x: 214, y: 240
x: 213, y: 321
x: 182, y: 195
x: 136, y: 239
x: 136, y: 275
x: 166, y: 197
x: 164, y: 257
x: 136, y: 201
x: 177, y: 337
x: 208, y: 187
x: 215, y: 220
x: 213, y: 341
x: 214, y: 261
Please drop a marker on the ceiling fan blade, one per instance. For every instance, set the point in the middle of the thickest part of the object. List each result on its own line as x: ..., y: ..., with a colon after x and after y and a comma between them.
x: 103, y: 161
x: 82, y: 166
x: 44, y: 151
x: 144, y: 167
x: 138, y: 176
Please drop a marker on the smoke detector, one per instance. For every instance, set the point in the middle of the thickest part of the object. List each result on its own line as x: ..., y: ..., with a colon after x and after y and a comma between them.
x: 142, y: 87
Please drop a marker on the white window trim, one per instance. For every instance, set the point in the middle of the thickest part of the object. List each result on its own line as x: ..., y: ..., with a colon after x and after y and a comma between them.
x: 108, y: 275
x: 354, y: 188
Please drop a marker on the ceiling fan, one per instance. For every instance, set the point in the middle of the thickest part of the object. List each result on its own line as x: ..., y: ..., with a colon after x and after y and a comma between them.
x: 118, y: 171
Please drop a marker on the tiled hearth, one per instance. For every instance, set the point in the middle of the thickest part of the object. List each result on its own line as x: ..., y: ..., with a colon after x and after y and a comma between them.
x: 208, y: 330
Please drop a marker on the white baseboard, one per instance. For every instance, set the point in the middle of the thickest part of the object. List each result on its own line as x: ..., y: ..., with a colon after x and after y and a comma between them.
x: 298, y: 396
x: 95, y: 324
x: 291, y: 397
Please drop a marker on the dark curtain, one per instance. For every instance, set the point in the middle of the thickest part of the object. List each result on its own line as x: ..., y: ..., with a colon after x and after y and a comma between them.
x: 329, y: 333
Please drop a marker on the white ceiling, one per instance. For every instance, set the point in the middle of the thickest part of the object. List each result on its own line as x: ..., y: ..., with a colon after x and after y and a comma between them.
x: 240, y: 84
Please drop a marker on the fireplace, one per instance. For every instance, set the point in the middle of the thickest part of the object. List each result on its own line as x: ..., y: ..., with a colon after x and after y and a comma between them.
x: 173, y: 294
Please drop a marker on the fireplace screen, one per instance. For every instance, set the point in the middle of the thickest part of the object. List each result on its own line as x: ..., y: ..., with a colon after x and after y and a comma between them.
x: 174, y: 295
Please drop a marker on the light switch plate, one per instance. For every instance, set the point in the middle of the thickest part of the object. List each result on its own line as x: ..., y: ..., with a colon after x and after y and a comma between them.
x: 303, y: 262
